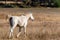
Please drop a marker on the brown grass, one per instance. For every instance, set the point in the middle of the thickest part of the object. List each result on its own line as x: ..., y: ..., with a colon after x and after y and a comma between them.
x: 46, y: 25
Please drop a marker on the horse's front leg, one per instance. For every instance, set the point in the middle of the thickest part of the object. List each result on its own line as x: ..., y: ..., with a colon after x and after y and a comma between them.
x: 25, y: 29
x: 20, y: 30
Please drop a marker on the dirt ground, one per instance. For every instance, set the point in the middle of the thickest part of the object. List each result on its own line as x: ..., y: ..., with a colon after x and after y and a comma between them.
x: 46, y: 25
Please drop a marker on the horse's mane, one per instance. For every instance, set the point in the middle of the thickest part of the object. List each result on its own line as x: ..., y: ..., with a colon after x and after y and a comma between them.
x: 27, y: 14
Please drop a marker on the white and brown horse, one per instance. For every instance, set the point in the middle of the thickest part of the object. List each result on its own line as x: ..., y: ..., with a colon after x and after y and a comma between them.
x: 21, y: 21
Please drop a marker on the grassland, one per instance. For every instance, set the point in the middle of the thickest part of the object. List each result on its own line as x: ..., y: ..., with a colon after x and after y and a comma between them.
x: 46, y: 25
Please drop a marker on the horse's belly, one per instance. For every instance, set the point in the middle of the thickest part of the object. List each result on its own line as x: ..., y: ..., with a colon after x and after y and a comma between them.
x: 21, y: 24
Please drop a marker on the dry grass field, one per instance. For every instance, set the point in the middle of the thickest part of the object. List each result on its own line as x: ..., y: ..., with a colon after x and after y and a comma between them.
x: 46, y: 25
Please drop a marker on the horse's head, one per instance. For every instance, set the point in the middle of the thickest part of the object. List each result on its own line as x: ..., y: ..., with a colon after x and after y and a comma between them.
x: 31, y: 17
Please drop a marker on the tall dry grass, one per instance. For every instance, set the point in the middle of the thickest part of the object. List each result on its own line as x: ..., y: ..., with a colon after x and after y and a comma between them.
x: 46, y: 26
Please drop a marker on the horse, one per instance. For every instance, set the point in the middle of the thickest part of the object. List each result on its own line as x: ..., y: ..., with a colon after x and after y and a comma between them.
x: 21, y: 21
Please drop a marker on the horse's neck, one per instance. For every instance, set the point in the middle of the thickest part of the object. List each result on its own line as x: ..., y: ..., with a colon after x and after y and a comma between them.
x: 27, y: 17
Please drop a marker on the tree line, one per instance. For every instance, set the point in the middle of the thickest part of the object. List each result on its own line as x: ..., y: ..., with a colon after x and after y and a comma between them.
x: 32, y: 3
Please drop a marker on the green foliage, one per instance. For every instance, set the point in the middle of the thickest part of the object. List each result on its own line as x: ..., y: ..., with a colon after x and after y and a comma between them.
x: 57, y: 2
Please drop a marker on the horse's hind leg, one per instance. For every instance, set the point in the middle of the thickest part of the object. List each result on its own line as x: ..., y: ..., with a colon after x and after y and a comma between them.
x: 11, y: 30
x: 11, y: 33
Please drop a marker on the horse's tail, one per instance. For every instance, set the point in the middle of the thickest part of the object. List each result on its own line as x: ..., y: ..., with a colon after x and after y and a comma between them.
x: 8, y: 17
x: 11, y: 21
